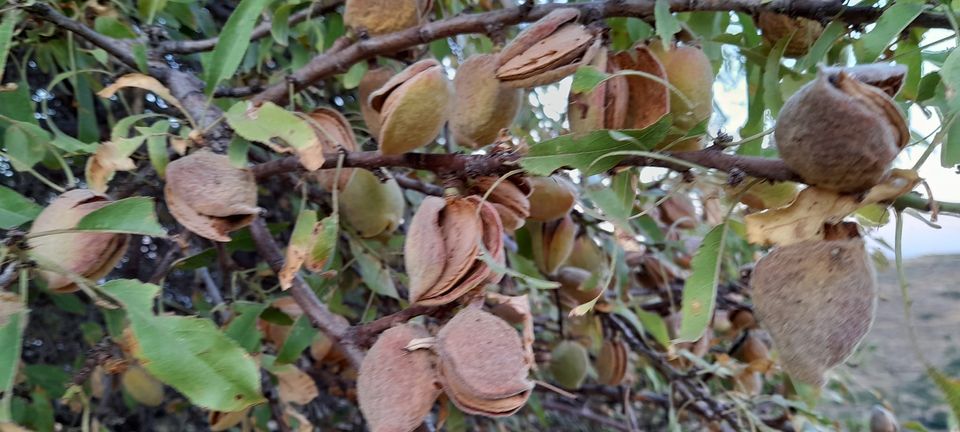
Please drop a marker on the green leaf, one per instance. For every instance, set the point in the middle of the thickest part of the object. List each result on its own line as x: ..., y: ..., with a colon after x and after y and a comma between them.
x: 157, y: 145
x: 298, y: 339
x: 834, y: 31
x: 700, y: 289
x: 15, y: 209
x: 130, y: 215
x: 950, y: 74
x: 655, y: 325
x: 893, y: 21
x: 667, y: 24
x: 13, y: 319
x: 279, y: 29
x: 243, y: 327
x: 188, y: 353
x: 950, y: 153
x: 270, y: 122
x: 374, y: 274
x: 950, y: 388
x: 237, y: 151
x: 352, y: 78
x: 612, y: 204
x: 148, y: 9
x: 25, y: 144
x: 324, y: 244
x: 112, y: 27
x: 234, y: 40
x: 586, y: 78
x: 580, y: 151
x: 10, y: 19
x: 771, y: 77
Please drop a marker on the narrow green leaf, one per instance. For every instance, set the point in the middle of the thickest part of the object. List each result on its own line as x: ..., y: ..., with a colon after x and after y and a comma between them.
x: 950, y: 74
x: 908, y: 53
x: 140, y: 57
x: 700, y: 289
x: 950, y: 388
x: 110, y: 26
x: 298, y: 339
x: 148, y: 9
x: 13, y: 319
x: 25, y: 144
x: 655, y: 325
x: 10, y: 19
x: 950, y: 152
x: 771, y: 77
x: 157, y: 145
x: 237, y: 151
x: 667, y: 24
x: 586, y: 78
x: 893, y: 21
x: 16, y: 209
x: 270, y: 122
x: 375, y: 275
x: 580, y: 151
x: 613, y: 205
x: 352, y: 78
x: 279, y: 29
x: 130, y: 215
x: 818, y: 51
x: 324, y: 243
x: 188, y: 353
x: 234, y: 40
x: 243, y: 327
x: 928, y: 86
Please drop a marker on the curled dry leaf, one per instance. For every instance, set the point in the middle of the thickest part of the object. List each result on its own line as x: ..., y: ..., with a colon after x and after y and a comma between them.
x: 547, y: 51
x: 550, y: 197
x: 612, y: 362
x: 648, y: 100
x: 334, y: 133
x: 765, y: 194
x: 370, y: 206
x: 482, y: 104
x: 817, y: 299
x: 209, y: 196
x: 395, y: 387
x: 87, y: 254
x: 377, y: 17
x: 412, y: 106
x: 813, y: 207
x: 802, y: 32
x: 509, y: 198
x: 105, y: 162
x: 142, y: 386
x: 483, y: 367
x: 604, y: 107
x: 443, y: 245
x: 142, y: 81
x: 859, y: 131
x: 295, y: 385
x: 552, y: 243
x: 569, y: 362
x: 221, y: 421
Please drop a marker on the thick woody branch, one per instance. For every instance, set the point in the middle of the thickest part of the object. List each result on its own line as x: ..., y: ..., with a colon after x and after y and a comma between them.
x: 328, y: 64
x: 466, y: 165
x: 260, y: 31
x: 116, y: 48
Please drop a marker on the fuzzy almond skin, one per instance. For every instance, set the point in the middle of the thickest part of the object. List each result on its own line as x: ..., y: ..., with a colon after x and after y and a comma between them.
x: 91, y: 255
x: 776, y: 26
x: 550, y: 198
x: 371, y: 207
x: 371, y: 81
x: 482, y: 105
x: 413, y: 107
x: 378, y: 17
x: 837, y: 140
x: 395, y: 387
x: 817, y: 299
x: 568, y: 364
x: 689, y: 70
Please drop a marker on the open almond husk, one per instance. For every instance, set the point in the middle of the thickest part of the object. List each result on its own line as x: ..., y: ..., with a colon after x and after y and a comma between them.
x: 334, y: 133
x: 209, y: 196
x: 547, y: 51
x: 442, y: 249
x: 604, y: 107
x: 612, y: 362
x: 88, y: 254
x: 371, y: 82
x: 483, y: 366
x: 483, y: 105
x: 509, y: 198
x: 817, y: 299
x: 396, y: 387
x: 552, y: 243
x: 648, y: 100
x: 412, y: 106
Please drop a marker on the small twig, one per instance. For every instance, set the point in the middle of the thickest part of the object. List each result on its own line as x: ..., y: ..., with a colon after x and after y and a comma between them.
x: 585, y: 412
x: 419, y: 186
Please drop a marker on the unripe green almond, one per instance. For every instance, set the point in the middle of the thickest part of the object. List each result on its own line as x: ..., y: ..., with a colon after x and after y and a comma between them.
x: 568, y: 364
x: 550, y: 198
x: 142, y: 387
x: 91, y: 255
x: 377, y: 17
x: 689, y: 70
x: 482, y: 105
x: 370, y: 206
x: 413, y: 106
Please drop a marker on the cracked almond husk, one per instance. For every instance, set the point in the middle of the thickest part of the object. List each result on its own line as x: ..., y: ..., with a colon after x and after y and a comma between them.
x: 412, y: 106
x: 442, y: 248
x: 509, y: 198
x: 612, y: 362
x: 547, y: 51
x: 552, y: 243
x: 371, y: 82
x: 396, y: 387
x: 335, y: 133
x: 483, y: 365
x: 839, y: 133
x: 802, y: 32
x: 569, y: 361
x: 370, y: 206
x: 482, y: 104
x: 550, y: 197
x: 377, y: 17
x: 604, y: 107
x: 91, y: 255
x: 817, y: 300
x: 647, y: 100
x: 209, y: 196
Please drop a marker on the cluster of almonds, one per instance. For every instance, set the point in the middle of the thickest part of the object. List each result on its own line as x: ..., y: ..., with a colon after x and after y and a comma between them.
x: 88, y: 255
x: 476, y: 358
x: 570, y: 363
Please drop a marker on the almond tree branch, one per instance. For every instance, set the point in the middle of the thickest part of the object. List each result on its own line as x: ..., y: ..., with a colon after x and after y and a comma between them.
x: 328, y: 64
x: 263, y: 29
x: 115, y: 47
